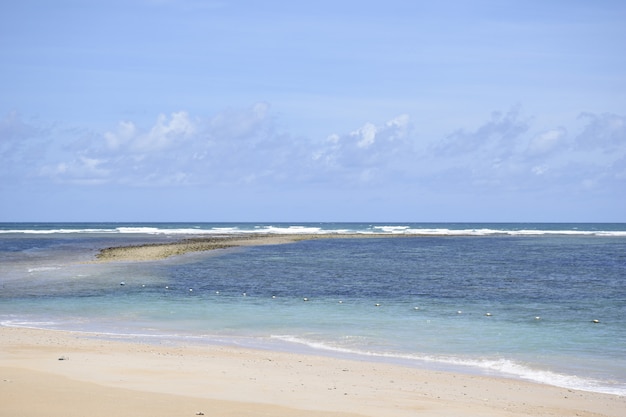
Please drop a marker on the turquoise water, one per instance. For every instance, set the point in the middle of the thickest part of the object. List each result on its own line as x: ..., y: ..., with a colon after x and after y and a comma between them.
x: 515, y: 300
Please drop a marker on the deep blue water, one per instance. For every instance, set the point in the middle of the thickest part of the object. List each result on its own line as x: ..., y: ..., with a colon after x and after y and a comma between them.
x: 514, y: 300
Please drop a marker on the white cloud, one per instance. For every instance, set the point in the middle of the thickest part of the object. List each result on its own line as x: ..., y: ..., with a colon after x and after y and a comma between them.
x: 228, y: 148
x: 499, y: 156
x: 396, y: 128
x: 165, y: 134
x: 242, y: 147
x: 500, y: 136
x: 365, y: 136
x: 547, y: 141
x: 81, y: 170
x: 367, y: 154
x: 125, y: 134
x: 399, y: 127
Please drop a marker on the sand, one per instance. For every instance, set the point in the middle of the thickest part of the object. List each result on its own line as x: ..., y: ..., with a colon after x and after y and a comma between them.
x: 155, y: 251
x: 130, y: 378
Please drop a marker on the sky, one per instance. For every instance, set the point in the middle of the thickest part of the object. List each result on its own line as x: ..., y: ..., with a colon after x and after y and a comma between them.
x: 342, y: 110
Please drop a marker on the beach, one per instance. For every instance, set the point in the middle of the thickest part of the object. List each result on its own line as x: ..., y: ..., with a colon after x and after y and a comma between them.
x: 150, y: 346
x: 64, y: 374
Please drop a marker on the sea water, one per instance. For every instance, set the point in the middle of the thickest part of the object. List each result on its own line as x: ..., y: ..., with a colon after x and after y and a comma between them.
x: 541, y: 302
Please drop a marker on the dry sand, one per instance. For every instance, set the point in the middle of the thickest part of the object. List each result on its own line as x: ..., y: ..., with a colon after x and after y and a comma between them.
x: 99, y: 377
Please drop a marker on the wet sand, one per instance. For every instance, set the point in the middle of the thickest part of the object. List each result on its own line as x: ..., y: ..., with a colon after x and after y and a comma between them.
x: 64, y: 374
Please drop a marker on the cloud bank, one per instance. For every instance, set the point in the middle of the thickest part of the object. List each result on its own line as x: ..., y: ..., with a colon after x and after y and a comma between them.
x: 244, y: 147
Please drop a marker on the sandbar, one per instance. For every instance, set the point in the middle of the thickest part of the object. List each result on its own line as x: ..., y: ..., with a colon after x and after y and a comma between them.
x: 64, y: 374
x: 161, y: 250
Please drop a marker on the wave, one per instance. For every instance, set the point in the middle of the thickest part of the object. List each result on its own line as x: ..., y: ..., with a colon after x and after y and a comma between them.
x: 499, y: 367
x: 37, y: 325
x: 408, y: 229
x: 55, y: 231
x: 502, y: 367
x: 116, y: 230
x: 43, y: 269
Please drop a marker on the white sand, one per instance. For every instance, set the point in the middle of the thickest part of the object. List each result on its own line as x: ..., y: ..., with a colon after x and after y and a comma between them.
x: 124, y: 379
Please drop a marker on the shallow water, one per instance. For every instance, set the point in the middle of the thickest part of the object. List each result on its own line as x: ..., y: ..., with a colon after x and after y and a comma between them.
x: 494, y: 299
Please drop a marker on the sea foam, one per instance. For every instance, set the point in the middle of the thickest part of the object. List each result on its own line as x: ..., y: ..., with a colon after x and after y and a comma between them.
x: 480, y: 229
x: 499, y: 367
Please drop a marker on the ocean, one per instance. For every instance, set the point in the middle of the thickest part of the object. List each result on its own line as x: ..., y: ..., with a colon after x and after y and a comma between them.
x: 539, y: 302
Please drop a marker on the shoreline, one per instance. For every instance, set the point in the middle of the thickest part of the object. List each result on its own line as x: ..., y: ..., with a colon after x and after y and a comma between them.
x: 60, y: 373
x: 63, y: 373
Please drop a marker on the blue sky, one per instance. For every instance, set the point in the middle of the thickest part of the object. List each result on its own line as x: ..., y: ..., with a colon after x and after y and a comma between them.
x: 397, y: 110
